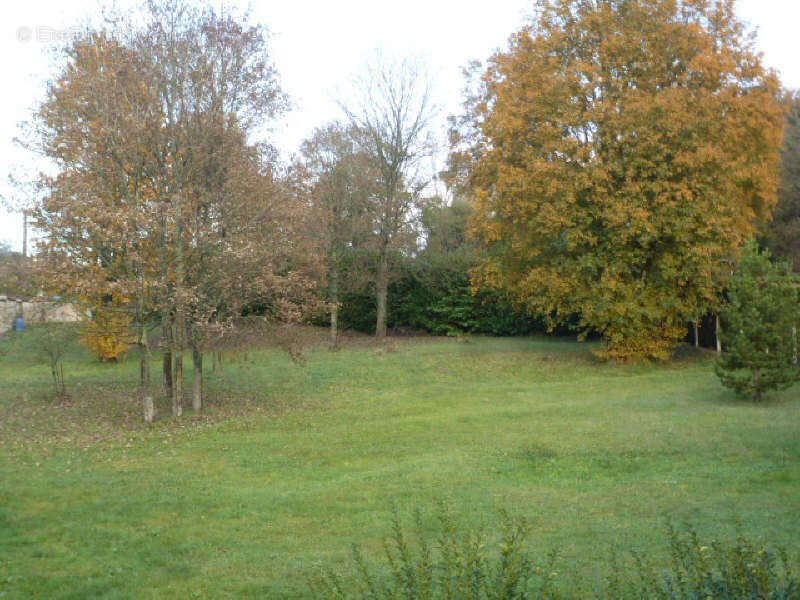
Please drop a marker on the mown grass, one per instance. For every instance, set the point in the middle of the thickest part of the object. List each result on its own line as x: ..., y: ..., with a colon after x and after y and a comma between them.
x: 292, y: 463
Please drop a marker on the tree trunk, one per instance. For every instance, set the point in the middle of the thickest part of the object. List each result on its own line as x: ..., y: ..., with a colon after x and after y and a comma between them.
x: 334, y: 309
x: 696, y: 331
x: 178, y: 328
x: 716, y: 334
x: 144, y: 378
x: 167, y: 368
x: 382, y: 289
x: 757, y: 383
x: 166, y: 344
x: 177, y: 384
x: 54, y: 373
x: 177, y: 373
x: 197, y: 383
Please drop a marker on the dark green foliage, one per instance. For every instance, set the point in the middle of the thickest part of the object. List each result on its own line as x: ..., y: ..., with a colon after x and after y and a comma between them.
x: 417, y: 305
x: 432, y: 290
x: 453, y: 309
x: 759, y: 326
x: 459, y: 565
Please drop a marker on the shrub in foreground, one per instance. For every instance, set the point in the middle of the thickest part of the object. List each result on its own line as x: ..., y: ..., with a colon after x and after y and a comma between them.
x: 463, y: 564
x: 460, y: 564
x: 739, y: 570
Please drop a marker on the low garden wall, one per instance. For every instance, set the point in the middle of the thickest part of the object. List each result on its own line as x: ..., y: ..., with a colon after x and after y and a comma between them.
x: 35, y: 311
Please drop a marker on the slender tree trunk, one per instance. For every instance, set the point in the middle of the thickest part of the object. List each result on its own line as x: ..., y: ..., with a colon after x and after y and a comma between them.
x: 717, y: 331
x: 166, y: 321
x: 145, y: 393
x: 166, y: 362
x: 696, y: 331
x: 167, y: 369
x: 179, y: 327
x: 54, y: 373
x: 334, y: 309
x: 382, y: 289
x: 177, y: 370
x: 144, y: 377
x: 757, y: 382
x: 197, y: 383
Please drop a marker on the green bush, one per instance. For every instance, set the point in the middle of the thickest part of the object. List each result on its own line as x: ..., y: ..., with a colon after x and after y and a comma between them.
x: 735, y: 571
x: 459, y: 565
x: 418, y: 305
x: 462, y: 565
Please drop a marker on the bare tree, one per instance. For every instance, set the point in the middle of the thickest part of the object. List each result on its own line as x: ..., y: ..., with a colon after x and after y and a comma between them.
x: 393, y: 108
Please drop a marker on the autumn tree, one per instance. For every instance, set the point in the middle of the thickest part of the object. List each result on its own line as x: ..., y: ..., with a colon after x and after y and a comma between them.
x: 759, y: 326
x: 165, y: 202
x: 217, y: 88
x: 618, y: 151
x: 392, y: 107
x: 342, y: 182
x: 96, y: 125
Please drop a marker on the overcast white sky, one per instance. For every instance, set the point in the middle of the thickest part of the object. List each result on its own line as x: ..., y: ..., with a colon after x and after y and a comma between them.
x: 318, y: 44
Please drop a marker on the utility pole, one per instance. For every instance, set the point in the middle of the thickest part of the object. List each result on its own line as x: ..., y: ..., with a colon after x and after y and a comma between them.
x: 24, y: 234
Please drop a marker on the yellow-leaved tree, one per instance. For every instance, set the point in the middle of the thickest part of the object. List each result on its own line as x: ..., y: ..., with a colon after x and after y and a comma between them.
x: 620, y: 153
x: 109, y: 333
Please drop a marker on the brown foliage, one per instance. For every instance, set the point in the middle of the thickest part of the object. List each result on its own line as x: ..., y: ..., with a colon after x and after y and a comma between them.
x: 163, y: 194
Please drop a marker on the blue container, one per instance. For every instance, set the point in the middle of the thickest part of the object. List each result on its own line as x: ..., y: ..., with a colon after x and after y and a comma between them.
x: 19, y: 324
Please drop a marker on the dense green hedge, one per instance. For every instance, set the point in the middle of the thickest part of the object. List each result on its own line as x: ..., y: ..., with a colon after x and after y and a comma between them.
x: 438, y: 310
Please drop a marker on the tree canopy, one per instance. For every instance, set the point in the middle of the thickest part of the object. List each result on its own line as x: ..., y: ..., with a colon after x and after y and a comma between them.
x: 619, y: 151
x: 165, y: 203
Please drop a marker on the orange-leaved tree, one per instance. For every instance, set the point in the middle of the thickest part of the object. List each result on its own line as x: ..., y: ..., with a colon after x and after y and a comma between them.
x: 619, y: 153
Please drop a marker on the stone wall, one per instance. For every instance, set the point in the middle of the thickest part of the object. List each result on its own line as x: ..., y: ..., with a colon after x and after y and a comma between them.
x: 36, y: 311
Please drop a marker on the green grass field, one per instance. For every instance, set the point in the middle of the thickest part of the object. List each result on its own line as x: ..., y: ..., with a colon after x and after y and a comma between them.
x: 291, y: 463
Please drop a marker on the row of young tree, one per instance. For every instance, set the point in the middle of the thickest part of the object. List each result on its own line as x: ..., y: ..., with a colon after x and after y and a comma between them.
x: 607, y: 170
x: 165, y: 206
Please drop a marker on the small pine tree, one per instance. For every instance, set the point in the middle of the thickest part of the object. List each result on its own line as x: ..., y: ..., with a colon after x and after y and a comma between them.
x: 759, y: 326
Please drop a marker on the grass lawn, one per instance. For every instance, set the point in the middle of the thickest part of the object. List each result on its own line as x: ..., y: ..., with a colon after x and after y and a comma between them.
x: 293, y: 463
